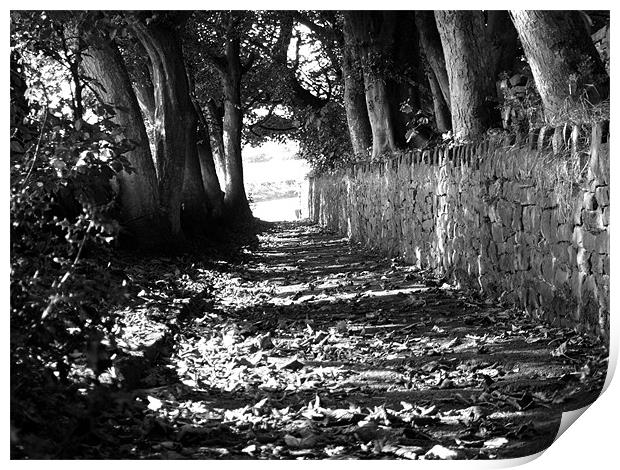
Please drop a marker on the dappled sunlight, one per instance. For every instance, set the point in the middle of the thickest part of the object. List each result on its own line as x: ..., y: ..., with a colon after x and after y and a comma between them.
x: 212, y: 212
x: 328, y: 360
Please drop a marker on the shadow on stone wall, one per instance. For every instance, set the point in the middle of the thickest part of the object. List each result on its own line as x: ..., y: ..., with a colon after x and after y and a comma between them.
x: 527, y: 221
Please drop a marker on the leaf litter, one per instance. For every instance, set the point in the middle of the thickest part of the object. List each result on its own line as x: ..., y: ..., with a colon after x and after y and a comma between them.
x: 308, y: 347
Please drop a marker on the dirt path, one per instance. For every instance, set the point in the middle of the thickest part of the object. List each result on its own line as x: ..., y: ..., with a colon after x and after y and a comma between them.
x: 312, y: 348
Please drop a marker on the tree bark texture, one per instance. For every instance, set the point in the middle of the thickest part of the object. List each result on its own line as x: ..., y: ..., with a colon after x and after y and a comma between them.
x: 174, y: 116
x: 563, y: 59
x: 440, y: 107
x: 374, y: 33
x: 146, y: 98
x: 472, y: 87
x: 354, y: 95
x: 215, y: 116
x: 433, y: 50
x: 235, y: 199
x: 138, y: 191
x: 194, y: 208
x: 210, y: 180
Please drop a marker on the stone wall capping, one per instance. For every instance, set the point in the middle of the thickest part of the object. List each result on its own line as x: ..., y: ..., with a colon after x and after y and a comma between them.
x: 557, y: 140
x: 426, y: 157
x: 544, y: 137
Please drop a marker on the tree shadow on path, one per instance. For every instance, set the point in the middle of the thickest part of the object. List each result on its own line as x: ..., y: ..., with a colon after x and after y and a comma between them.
x: 310, y: 347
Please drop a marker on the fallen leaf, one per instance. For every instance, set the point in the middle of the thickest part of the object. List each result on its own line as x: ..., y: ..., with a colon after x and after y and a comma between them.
x: 264, y: 341
x: 441, y: 453
x: 560, y: 350
x: 292, y: 364
x: 249, y: 449
x: 406, y: 452
x: 300, y: 442
x: 495, y: 443
x: 154, y: 403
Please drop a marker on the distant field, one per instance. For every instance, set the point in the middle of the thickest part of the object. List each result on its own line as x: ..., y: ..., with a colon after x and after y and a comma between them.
x: 273, y: 175
x: 278, y: 209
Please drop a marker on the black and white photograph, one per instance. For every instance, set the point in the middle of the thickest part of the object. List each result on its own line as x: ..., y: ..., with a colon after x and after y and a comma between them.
x: 307, y: 234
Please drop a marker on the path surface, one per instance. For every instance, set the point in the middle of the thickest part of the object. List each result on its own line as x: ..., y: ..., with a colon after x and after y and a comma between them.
x: 313, y: 348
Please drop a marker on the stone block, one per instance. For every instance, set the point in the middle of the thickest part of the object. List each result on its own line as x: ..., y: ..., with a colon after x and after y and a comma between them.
x: 589, y: 201
x: 562, y: 276
x: 565, y: 232
x: 492, y: 253
x: 549, y: 226
x: 560, y: 252
x: 546, y: 294
x: 605, y: 216
x: 547, y: 269
x: 583, y: 238
x: 482, y: 265
x: 602, y: 242
x: 577, y: 279
x: 593, y: 219
x: 589, y: 287
x: 583, y: 260
x: 602, y: 195
x: 497, y: 231
x: 509, y: 247
x: 504, y: 210
x: 516, y: 217
x: 526, y: 218
x: 505, y: 263
x: 549, y: 201
x: 522, y: 258
x: 495, y: 189
x: 597, y: 263
x: 533, y: 298
x: 528, y: 195
x: 577, y: 217
x: 520, y: 238
x: 536, y: 261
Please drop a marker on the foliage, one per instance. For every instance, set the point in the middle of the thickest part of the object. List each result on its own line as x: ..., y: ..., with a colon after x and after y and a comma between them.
x: 324, y: 139
x: 64, y: 155
x: 522, y: 107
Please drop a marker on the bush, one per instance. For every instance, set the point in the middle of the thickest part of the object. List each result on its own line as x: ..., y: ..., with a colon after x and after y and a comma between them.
x: 62, y: 208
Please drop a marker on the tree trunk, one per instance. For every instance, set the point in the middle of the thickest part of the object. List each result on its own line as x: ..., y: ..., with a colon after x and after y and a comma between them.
x: 380, y: 115
x: 138, y: 191
x: 174, y: 116
x: 235, y: 199
x: 472, y: 87
x: 195, y: 212
x: 146, y: 99
x: 210, y: 180
x: 557, y: 46
x: 215, y: 116
x: 440, y: 107
x: 374, y: 33
x: 433, y: 50
x: 355, y: 96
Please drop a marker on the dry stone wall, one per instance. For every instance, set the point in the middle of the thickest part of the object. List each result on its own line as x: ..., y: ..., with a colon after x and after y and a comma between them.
x: 528, y: 223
